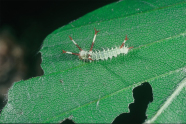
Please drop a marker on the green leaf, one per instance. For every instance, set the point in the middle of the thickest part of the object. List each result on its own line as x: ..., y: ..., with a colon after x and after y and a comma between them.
x: 97, y: 92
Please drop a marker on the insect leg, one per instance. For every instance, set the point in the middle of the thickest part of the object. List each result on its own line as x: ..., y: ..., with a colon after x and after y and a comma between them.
x: 90, y: 58
x: 70, y: 53
x: 75, y: 43
x: 124, y: 42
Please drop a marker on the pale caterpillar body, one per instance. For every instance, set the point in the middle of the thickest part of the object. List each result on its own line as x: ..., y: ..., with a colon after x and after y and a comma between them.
x: 100, y: 55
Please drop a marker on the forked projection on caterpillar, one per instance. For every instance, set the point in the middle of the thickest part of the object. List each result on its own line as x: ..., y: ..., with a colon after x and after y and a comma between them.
x: 91, y: 56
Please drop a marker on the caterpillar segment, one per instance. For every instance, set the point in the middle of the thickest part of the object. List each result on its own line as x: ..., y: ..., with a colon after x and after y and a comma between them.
x: 99, y: 55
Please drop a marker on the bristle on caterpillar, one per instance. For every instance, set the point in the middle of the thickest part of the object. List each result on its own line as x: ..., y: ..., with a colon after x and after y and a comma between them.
x: 100, y: 55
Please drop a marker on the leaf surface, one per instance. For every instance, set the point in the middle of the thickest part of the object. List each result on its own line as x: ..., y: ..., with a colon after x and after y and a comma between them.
x: 97, y: 92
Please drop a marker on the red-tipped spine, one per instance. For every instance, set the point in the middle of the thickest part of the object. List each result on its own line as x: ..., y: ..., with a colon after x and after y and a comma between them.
x: 126, y: 38
x: 79, y: 47
x: 130, y: 48
x: 91, y: 46
x: 122, y: 45
x: 75, y: 54
x: 63, y: 51
x: 70, y: 37
x: 124, y: 42
x: 96, y: 31
x: 75, y: 43
x: 93, y: 40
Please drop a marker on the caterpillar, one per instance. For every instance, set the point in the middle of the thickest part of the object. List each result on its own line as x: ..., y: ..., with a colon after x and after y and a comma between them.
x: 91, y: 56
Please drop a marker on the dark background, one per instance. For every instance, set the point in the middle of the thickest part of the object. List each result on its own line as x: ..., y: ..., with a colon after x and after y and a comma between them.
x: 23, y: 27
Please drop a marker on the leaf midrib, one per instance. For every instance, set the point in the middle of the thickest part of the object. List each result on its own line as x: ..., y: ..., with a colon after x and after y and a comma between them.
x: 118, y: 91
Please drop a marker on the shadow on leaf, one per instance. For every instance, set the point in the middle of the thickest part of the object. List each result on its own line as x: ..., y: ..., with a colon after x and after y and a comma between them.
x: 142, y: 97
x: 67, y: 121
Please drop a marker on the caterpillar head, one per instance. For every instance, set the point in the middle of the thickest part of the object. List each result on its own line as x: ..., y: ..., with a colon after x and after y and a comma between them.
x: 124, y: 50
x: 83, y: 55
